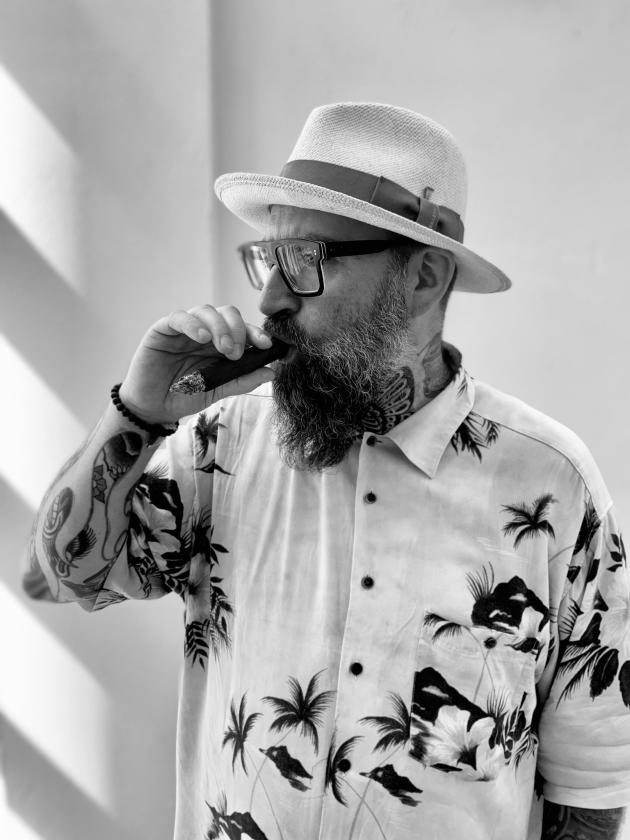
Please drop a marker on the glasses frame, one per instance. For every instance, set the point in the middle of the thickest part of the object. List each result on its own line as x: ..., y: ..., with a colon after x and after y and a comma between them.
x: 326, y: 251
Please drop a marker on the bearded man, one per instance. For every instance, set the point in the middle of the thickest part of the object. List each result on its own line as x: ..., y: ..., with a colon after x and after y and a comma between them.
x: 406, y: 595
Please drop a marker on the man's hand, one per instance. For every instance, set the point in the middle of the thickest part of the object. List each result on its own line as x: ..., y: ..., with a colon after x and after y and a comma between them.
x: 180, y: 343
x: 564, y: 822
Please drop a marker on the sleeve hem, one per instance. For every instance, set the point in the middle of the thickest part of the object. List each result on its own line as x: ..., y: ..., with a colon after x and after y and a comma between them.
x: 594, y: 798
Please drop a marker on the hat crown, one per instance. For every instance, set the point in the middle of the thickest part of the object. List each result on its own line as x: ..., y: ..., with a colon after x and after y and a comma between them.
x: 401, y: 145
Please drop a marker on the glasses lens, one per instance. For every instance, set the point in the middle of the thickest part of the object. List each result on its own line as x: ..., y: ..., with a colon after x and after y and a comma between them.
x: 299, y: 262
x: 258, y: 264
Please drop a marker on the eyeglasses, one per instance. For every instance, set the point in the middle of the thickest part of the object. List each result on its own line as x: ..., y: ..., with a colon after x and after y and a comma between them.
x: 300, y: 261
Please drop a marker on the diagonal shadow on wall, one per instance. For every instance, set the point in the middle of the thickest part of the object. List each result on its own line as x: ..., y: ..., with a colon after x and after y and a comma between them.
x: 35, y: 788
x: 42, y: 316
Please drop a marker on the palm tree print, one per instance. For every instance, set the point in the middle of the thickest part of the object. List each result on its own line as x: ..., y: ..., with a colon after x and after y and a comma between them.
x: 206, y: 432
x: 334, y: 767
x: 302, y: 710
x: 529, y: 520
x: 395, y: 730
x: 474, y: 434
x: 238, y: 732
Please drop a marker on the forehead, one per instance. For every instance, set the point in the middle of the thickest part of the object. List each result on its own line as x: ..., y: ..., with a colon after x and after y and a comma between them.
x: 286, y: 222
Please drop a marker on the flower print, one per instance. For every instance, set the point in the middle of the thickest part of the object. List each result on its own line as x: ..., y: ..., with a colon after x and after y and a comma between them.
x: 455, y: 744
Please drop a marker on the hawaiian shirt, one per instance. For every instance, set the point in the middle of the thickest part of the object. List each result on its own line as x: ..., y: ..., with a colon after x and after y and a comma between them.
x: 424, y: 641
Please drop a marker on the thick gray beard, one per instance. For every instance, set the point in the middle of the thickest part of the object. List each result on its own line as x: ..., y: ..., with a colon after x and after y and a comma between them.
x: 323, y: 395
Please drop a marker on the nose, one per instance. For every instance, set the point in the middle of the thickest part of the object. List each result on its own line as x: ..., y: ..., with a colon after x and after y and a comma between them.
x: 277, y: 297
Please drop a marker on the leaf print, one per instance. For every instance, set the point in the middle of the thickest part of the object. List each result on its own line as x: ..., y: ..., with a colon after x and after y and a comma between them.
x: 528, y: 521
x: 510, y: 607
x: 395, y: 730
x: 474, y: 434
x: 449, y: 629
x: 604, y: 671
x: 568, y: 620
x: 238, y: 732
x: 513, y: 734
x: 334, y: 767
x: 585, y: 659
x: 302, y: 709
x: 155, y: 533
x: 624, y: 682
x: 618, y: 553
x: 399, y: 786
x: 290, y: 768
x: 588, y: 528
x: 196, y: 644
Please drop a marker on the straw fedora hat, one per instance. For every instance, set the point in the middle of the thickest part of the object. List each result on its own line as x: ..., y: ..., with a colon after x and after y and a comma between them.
x: 386, y: 166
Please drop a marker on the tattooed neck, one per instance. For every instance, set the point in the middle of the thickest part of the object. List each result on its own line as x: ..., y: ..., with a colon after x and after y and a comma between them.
x: 411, y: 387
x: 433, y: 369
x: 394, y: 405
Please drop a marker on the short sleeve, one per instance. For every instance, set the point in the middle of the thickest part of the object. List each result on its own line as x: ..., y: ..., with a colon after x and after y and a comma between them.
x: 166, y: 516
x: 584, y: 753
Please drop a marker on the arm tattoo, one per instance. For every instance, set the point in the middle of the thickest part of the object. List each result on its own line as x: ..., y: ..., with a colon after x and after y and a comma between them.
x: 566, y: 822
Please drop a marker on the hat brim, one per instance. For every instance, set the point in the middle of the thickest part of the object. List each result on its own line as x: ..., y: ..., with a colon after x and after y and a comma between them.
x: 249, y: 196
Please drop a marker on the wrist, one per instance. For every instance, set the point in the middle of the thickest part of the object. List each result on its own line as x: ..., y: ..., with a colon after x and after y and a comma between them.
x: 154, y: 429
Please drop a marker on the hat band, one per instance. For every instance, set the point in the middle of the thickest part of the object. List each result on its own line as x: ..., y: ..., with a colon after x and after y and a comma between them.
x: 377, y: 190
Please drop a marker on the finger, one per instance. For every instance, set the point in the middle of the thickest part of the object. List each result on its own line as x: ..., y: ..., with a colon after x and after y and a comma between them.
x: 238, y: 329
x: 216, y: 325
x: 180, y: 322
x: 258, y: 337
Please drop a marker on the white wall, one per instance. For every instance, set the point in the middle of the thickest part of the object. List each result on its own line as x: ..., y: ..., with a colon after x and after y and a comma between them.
x: 105, y: 226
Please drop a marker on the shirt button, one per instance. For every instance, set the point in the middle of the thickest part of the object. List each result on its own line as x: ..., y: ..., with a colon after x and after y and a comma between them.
x: 344, y: 765
x: 490, y: 642
x: 369, y: 498
x: 371, y: 441
x: 367, y: 582
x: 356, y: 668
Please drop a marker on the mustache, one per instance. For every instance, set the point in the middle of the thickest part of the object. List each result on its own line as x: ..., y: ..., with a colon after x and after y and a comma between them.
x: 284, y: 328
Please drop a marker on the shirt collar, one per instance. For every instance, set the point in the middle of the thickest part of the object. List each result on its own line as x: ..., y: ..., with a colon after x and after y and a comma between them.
x: 424, y: 436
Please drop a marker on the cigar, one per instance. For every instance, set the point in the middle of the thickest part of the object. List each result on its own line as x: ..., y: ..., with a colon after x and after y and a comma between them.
x: 225, y: 370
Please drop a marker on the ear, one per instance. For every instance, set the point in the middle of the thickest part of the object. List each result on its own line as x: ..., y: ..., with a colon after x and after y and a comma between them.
x: 432, y: 271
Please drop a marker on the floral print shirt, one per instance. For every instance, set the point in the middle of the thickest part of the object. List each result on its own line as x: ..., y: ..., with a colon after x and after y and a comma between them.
x: 423, y: 641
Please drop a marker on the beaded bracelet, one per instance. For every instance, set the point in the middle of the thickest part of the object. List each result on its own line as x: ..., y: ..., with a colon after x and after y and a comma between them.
x: 154, y: 429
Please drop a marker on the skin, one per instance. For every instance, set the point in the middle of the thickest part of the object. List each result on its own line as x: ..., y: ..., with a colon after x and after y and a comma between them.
x: 351, y: 285
x: 563, y: 822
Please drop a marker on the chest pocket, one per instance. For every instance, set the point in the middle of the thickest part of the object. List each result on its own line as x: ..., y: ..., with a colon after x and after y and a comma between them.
x: 473, y: 700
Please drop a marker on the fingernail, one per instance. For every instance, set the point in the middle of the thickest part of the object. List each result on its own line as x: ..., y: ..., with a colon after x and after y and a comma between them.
x: 265, y: 337
x: 226, y: 343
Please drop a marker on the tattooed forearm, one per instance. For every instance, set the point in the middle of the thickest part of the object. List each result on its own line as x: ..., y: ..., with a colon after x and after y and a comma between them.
x: 564, y: 822
x: 83, y: 521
